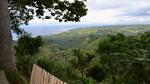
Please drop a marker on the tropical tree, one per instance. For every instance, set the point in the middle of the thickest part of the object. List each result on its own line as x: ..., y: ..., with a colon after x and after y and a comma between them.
x: 13, y: 13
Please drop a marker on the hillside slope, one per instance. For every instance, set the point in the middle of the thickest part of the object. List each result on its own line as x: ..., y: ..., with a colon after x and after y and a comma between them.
x: 75, y: 37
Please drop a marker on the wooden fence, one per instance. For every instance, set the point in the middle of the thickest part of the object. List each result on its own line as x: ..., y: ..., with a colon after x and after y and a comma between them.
x: 40, y: 76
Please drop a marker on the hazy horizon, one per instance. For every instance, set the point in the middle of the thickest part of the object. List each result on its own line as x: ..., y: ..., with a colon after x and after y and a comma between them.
x: 100, y: 12
x: 51, y: 29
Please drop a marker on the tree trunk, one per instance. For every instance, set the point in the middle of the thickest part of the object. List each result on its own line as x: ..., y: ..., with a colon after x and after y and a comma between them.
x: 7, y: 58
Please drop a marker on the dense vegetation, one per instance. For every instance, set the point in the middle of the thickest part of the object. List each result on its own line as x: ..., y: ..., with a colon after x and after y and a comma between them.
x: 109, y: 55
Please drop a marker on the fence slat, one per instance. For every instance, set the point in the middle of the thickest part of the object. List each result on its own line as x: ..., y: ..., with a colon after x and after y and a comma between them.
x: 40, y: 76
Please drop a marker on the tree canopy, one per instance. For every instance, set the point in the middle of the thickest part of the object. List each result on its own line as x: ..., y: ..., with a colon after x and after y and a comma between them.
x: 22, y: 11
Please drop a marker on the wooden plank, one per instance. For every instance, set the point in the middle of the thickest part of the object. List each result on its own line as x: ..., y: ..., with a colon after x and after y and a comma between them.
x: 40, y: 76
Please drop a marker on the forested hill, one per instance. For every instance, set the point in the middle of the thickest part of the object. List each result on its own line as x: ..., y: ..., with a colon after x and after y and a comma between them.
x: 76, y: 38
x: 94, y: 55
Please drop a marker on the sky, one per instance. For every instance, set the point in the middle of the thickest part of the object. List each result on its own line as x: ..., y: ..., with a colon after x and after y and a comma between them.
x: 100, y: 12
x: 113, y: 12
x: 118, y: 11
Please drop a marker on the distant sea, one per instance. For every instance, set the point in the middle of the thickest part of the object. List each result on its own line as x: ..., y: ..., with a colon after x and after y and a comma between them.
x: 49, y: 29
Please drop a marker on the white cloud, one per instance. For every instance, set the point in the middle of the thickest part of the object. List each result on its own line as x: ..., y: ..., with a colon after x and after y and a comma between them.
x: 102, y: 17
x: 118, y: 11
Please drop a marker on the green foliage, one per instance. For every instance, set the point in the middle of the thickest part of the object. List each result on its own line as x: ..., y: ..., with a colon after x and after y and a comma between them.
x: 26, y: 49
x: 96, y: 73
x: 123, y: 58
x: 28, y: 46
x: 14, y: 77
x: 81, y: 60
